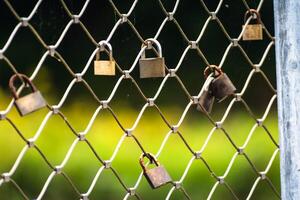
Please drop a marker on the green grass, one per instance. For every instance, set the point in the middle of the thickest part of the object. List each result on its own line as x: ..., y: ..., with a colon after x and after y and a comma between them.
x: 56, y: 138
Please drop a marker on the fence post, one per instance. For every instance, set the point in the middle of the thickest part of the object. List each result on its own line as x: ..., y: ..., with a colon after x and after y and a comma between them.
x: 287, y: 31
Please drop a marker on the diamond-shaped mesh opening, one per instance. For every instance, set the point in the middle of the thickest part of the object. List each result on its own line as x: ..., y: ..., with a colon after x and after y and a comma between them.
x: 86, y: 143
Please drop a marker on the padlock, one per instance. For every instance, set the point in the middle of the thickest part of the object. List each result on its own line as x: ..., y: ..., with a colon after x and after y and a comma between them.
x: 253, y: 31
x: 221, y: 86
x: 157, y: 176
x: 105, y: 67
x: 152, y: 67
x: 30, y: 102
x: 206, y: 101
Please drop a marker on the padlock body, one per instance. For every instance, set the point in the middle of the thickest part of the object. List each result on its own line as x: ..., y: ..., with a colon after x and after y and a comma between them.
x: 206, y: 101
x: 105, y: 67
x: 221, y: 87
x: 152, y: 67
x: 30, y: 103
x: 253, y: 32
x: 157, y: 176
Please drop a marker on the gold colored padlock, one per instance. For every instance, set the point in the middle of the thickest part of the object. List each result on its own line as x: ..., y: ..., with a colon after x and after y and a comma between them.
x: 157, y: 176
x: 30, y: 102
x: 152, y: 67
x: 104, y: 67
x: 253, y: 31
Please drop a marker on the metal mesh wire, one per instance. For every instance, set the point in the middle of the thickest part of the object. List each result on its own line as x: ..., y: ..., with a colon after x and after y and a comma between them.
x: 51, y: 50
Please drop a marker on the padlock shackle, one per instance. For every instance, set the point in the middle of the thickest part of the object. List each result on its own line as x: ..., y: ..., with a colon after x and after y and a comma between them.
x: 23, y: 78
x: 103, y: 44
x: 151, y: 41
x: 251, y: 12
x: 212, y: 69
x: 152, y: 159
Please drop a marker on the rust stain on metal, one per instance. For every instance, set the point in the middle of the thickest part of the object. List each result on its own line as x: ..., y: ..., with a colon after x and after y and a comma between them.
x: 253, y: 32
x: 30, y: 103
x: 157, y: 176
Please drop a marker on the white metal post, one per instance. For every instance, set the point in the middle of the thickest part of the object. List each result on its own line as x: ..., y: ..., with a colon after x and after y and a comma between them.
x: 287, y: 32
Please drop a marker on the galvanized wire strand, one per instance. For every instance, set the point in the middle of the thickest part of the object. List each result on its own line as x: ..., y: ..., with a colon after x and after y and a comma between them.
x: 19, y: 189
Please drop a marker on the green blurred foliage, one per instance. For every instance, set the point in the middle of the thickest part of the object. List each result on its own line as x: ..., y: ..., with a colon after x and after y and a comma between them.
x: 104, y: 135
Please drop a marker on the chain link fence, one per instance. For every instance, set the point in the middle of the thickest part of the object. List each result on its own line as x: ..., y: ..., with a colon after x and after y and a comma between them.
x: 79, y: 77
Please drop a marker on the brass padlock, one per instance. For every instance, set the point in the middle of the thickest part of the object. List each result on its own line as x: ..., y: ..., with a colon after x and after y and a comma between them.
x: 157, y: 176
x: 221, y: 86
x: 105, y: 67
x: 28, y: 103
x: 152, y: 67
x: 206, y: 100
x: 253, y: 31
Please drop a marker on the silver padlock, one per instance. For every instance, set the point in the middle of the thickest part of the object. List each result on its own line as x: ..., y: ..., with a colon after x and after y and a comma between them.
x: 105, y: 67
x: 152, y: 67
x: 157, y: 176
x: 28, y: 103
x: 221, y: 86
x: 253, y: 31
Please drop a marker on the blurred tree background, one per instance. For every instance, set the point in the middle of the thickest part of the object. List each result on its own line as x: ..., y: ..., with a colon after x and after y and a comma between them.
x: 53, y: 79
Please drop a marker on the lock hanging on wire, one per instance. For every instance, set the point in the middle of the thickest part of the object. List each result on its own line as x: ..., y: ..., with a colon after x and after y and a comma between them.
x: 152, y: 67
x: 253, y: 31
x: 30, y: 102
x: 221, y: 86
x: 206, y: 100
x: 157, y: 176
x: 104, y: 67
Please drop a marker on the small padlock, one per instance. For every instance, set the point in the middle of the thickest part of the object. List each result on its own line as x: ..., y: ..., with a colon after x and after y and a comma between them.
x: 152, y: 67
x: 105, y: 67
x: 206, y: 100
x: 253, y: 31
x: 28, y: 103
x: 221, y: 86
x: 157, y: 176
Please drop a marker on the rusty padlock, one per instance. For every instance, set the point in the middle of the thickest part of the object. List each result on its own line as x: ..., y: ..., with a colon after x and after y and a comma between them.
x: 104, y: 67
x: 253, y: 31
x: 30, y: 102
x: 206, y: 100
x: 221, y: 86
x: 152, y: 67
x: 157, y: 176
